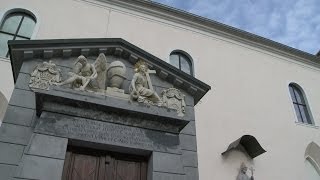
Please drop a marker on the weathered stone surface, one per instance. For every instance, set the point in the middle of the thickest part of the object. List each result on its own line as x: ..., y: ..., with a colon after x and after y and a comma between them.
x: 15, y: 134
x: 28, y: 66
x: 19, y: 115
x: 190, y: 129
x: 160, y: 82
x: 191, y: 173
x: 42, y: 168
x: 167, y: 176
x: 48, y: 146
x: 169, y: 163
x: 110, y: 109
x: 7, y: 171
x: 23, y: 98
x: 188, y: 142
x: 107, y: 133
x: 10, y: 153
x: 23, y: 81
x: 189, y: 158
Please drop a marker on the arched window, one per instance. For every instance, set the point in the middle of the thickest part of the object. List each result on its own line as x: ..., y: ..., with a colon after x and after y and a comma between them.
x: 300, y: 104
x: 181, y: 61
x: 15, y: 26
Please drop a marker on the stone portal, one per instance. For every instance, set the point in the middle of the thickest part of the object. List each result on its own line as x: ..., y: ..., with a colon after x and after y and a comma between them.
x: 98, y: 104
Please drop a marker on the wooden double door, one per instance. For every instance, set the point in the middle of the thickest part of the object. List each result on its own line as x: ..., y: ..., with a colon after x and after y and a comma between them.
x: 86, y: 165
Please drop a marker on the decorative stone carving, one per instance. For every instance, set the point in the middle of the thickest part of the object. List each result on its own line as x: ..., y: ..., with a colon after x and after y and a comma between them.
x: 141, y: 88
x: 173, y: 98
x: 44, y: 75
x: 243, y: 173
x: 85, y: 74
x: 116, y: 74
x: 94, y: 77
x: 101, y: 67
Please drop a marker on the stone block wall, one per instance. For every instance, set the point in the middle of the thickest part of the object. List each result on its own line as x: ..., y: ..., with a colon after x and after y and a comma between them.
x: 28, y: 152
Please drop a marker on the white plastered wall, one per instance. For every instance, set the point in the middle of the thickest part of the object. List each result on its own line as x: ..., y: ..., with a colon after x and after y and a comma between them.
x: 249, y: 85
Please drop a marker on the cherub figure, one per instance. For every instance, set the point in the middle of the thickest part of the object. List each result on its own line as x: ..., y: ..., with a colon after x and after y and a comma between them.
x: 83, y: 73
x: 141, y: 88
x: 243, y: 173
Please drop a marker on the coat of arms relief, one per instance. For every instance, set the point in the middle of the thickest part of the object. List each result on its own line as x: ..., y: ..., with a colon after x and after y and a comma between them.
x: 106, y: 78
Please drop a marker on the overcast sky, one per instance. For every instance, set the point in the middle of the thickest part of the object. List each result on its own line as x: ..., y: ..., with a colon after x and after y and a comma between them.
x: 295, y: 23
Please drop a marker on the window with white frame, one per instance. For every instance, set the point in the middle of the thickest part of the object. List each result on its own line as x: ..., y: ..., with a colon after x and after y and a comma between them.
x: 300, y: 104
x: 181, y: 61
x: 15, y: 26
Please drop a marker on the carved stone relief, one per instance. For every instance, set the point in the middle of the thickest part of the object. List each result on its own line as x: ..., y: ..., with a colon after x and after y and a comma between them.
x: 85, y: 74
x: 107, y: 80
x: 141, y: 88
x: 173, y: 99
x: 116, y: 74
x: 44, y: 75
x: 243, y: 173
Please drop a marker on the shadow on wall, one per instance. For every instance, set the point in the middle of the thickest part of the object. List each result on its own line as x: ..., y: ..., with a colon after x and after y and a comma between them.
x: 3, y: 106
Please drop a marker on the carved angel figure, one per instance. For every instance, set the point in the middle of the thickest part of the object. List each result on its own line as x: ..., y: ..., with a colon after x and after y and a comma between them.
x: 243, y: 173
x: 141, y: 88
x: 85, y: 73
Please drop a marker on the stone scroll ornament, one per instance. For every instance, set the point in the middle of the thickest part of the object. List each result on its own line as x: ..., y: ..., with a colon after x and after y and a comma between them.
x: 44, y: 75
x: 141, y: 88
x: 86, y: 76
x: 172, y: 98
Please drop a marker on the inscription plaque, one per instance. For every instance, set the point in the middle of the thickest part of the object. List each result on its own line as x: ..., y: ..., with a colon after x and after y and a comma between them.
x: 107, y: 133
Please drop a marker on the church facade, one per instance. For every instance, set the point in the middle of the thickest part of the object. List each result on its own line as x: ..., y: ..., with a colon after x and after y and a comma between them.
x: 136, y: 90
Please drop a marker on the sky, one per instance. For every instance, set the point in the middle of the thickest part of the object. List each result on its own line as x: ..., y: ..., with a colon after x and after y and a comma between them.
x: 295, y: 23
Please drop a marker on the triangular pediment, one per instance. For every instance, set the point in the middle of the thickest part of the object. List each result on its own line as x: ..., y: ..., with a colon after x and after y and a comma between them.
x: 101, y: 79
x: 71, y: 48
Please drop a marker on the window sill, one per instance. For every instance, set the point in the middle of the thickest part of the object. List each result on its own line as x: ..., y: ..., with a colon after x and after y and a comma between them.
x: 307, y: 125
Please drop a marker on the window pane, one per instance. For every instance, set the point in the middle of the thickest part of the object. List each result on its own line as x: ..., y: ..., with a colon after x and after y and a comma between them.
x: 185, y: 66
x: 27, y: 26
x: 11, y: 24
x: 296, y: 108
x: 292, y: 94
x: 299, y: 96
x: 4, y: 44
x: 305, y: 114
x: 174, y: 60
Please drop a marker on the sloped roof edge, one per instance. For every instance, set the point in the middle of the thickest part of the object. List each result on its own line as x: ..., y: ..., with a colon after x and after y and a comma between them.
x: 202, y: 23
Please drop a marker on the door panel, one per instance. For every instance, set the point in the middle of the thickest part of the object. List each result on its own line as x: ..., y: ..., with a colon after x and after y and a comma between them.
x: 79, y: 166
x: 84, y: 167
x: 126, y: 170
